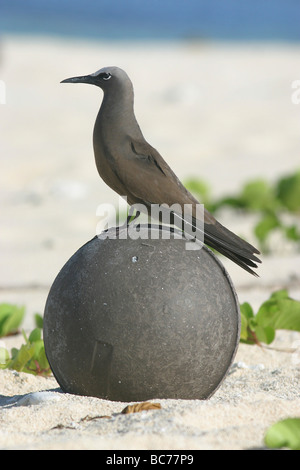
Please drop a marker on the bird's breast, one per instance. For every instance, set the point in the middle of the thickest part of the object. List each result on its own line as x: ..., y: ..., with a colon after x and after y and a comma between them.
x: 107, y: 154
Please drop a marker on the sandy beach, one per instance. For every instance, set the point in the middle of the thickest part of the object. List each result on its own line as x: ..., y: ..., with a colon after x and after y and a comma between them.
x: 218, y: 111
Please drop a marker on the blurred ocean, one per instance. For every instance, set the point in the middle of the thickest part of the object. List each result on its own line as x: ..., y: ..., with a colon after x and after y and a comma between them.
x: 273, y: 20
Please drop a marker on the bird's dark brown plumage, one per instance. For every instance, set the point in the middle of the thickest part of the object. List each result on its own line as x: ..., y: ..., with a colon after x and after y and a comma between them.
x: 133, y: 168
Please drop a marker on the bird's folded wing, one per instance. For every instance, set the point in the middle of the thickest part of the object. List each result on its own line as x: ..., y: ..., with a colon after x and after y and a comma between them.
x: 149, y: 177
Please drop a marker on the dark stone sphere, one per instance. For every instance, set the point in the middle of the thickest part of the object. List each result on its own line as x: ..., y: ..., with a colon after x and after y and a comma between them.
x: 133, y: 320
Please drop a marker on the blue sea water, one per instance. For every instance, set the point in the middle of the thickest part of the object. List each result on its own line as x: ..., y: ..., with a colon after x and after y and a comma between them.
x: 154, y: 19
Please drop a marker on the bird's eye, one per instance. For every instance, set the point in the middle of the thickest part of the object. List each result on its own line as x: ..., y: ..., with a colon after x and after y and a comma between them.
x: 106, y: 76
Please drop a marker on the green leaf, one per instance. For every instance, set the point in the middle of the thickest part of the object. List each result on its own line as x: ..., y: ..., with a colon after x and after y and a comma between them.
x: 4, y: 357
x: 14, y: 352
x: 11, y: 316
x: 288, y: 191
x: 252, y: 324
x: 244, y: 328
x: 24, y: 336
x: 30, y: 358
x: 247, y: 322
x: 23, y: 356
x: 285, y: 433
x: 42, y: 359
x: 267, y: 223
x: 258, y: 195
x: 35, y: 335
x: 292, y: 233
x: 201, y: 190
x: 247, y: 310
x: 38, y: 320
x: 38, y: 346
x: 231, y: 201
x: 280, y: 314
x: 280, y: 294
x: 265, y: 334
x: 198, y: 187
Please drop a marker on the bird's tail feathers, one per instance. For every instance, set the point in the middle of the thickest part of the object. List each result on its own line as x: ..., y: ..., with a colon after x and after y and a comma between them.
x: 222, y: 240
x: 231, y: 246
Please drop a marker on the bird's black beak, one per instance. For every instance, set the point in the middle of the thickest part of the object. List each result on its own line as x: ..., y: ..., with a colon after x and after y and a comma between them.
x: 84, y: 79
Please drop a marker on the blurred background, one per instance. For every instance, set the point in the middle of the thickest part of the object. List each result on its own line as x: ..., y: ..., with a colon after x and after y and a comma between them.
x: 213, y: 93
x: 154, y: 20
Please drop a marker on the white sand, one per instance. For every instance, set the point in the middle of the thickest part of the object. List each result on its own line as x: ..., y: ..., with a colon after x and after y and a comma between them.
x: 232, y: 104
x: 263, y: 387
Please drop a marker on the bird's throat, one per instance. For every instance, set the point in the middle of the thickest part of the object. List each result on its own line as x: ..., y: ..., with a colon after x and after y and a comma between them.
x: 116, y: 116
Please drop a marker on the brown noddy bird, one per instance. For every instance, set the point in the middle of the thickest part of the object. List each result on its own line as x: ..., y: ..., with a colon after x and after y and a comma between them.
x: 133, y: 168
